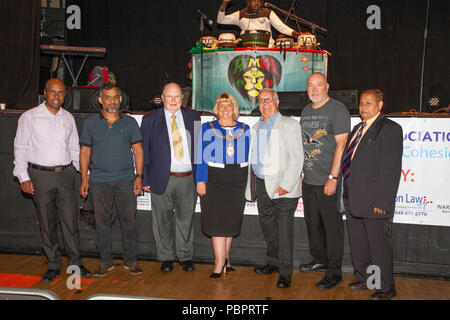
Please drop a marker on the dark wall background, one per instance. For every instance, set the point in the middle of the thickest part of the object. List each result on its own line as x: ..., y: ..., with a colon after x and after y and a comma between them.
x: 148, y: 42
x: 19, y: 53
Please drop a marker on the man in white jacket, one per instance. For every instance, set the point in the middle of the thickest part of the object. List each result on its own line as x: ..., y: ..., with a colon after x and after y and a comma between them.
x: 254, y: 17
x: 276, y: 157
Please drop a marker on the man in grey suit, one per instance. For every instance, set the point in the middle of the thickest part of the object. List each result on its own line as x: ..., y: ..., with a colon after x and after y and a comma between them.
x: 168, y: 138
x: 276, y: 155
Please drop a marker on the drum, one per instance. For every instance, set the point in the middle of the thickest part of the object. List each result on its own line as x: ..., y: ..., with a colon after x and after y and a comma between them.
x: 284, y: 43
x: 307, y: 41
x: 227, y: 40
x: 209, y: 42
x: 255, y: 38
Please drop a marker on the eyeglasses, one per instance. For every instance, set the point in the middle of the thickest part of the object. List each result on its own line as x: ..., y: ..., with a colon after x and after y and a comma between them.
x: 177, y: 97
x: 267, y: 100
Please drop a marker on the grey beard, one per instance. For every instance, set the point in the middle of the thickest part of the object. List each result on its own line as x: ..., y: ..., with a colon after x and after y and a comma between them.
x: 111, y: 110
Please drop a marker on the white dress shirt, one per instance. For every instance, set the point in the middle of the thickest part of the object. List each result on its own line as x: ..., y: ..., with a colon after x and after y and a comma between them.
x: 45, y: 139
x: 183, y: 165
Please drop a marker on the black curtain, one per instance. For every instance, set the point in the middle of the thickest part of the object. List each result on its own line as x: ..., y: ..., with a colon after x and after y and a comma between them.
x: 390, y: 58
x: 19, y: 53
x: 148, y: 43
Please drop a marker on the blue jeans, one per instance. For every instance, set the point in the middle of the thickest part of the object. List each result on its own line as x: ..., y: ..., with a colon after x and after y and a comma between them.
x: 104, y: 195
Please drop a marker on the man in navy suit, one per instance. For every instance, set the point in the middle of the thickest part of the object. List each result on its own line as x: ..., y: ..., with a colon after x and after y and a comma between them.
x: 371, y: 170
x: 169, y: 137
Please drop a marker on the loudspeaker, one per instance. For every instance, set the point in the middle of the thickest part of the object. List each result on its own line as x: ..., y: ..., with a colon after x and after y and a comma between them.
x: 293, y: 102
x: 53, y: 23
x: 347, y: 97
x: 85, y: 99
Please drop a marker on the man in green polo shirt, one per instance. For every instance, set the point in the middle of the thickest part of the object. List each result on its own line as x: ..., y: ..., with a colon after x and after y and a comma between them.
x: 109, y: 141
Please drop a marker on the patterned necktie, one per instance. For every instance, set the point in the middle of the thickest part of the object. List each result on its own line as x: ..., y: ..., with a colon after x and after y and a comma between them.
x: 177, y: 141
x: 348, y: 154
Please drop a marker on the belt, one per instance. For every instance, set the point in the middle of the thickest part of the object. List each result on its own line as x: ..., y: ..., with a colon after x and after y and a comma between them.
x: 222, y: 165
x: 44, y: 168
x: 180, y: 174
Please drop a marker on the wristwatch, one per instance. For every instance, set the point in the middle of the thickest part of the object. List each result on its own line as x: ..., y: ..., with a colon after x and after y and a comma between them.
x: 138, y: 175
x: 332, y: 177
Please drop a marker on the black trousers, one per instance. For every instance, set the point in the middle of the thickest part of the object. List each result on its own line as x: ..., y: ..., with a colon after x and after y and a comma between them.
x: 370, y: 244
x: 104, y: 195
x: 277, y: 222
x: 56, y: 203
x: 325, y: 227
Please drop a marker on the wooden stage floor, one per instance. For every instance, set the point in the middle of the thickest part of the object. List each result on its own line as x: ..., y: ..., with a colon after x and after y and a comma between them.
x: 26, y: 271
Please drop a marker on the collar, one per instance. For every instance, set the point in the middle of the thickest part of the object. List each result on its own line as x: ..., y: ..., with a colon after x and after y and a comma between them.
x: 168, y: 114
x: 372, y: 120
x: 44, y: 107
x: 271, y: 119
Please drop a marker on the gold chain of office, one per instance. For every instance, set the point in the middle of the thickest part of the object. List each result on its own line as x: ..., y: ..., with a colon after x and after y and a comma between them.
x: 230, y: 148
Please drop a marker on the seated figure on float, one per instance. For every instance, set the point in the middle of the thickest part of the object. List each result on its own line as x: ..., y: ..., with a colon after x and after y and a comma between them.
x: 255, y: 22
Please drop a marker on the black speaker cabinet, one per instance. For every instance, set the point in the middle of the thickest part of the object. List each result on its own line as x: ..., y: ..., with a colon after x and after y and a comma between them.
x: 347, y: 97
x: 85, y: 99
x: 293, y: 102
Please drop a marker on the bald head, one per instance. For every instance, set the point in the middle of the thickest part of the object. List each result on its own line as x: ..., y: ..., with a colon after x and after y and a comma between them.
x: 54, y: 81
x: 317, y: 75
x: 171, y: 85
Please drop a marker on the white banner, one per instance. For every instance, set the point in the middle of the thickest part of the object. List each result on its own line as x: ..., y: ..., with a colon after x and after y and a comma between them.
x: 422, y: 197
x: 423, y: 194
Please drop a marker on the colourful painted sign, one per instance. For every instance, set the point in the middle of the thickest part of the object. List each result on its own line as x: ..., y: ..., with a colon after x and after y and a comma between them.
x: 244, y: 73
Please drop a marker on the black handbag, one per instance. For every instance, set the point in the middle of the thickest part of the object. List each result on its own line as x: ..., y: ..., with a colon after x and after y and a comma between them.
x: 87, y: 214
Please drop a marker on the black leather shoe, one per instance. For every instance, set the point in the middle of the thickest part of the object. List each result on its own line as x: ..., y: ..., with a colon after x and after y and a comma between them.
x: 383, y: 295
x: 84, y: 272
x: 329, y: 281
x: 284, y: 281
x: 357, y: 286
x: 267, y: 269
x: 187, y: 265
x: 50, y: 275
x: 167, y: 266
x: 313, y: 267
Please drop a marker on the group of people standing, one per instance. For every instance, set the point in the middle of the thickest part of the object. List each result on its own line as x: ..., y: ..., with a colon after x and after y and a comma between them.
x: 175, y: 158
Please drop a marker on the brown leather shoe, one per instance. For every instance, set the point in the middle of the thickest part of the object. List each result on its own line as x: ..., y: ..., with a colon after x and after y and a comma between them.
x: 357, y: 286
x: 383, y: 295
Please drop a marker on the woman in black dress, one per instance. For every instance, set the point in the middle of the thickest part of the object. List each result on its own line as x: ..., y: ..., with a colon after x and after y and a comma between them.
x: 221, y: 178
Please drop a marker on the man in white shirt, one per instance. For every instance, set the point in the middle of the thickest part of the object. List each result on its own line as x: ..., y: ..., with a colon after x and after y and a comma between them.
x: 254, y: 17
x: 46, y: 154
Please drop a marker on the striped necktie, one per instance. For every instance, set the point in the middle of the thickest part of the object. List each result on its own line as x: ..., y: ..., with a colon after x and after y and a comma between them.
x: 177, y: 141
x: 351, y: 148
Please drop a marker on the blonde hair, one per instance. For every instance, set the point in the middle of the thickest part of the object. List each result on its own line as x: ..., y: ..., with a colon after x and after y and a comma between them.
x: 226, y: 97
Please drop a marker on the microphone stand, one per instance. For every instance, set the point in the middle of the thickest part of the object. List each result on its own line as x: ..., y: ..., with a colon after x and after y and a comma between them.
x: 292, y: 9
x: 311, y: 25
x: 202, y: 27
x: 425, y: 36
